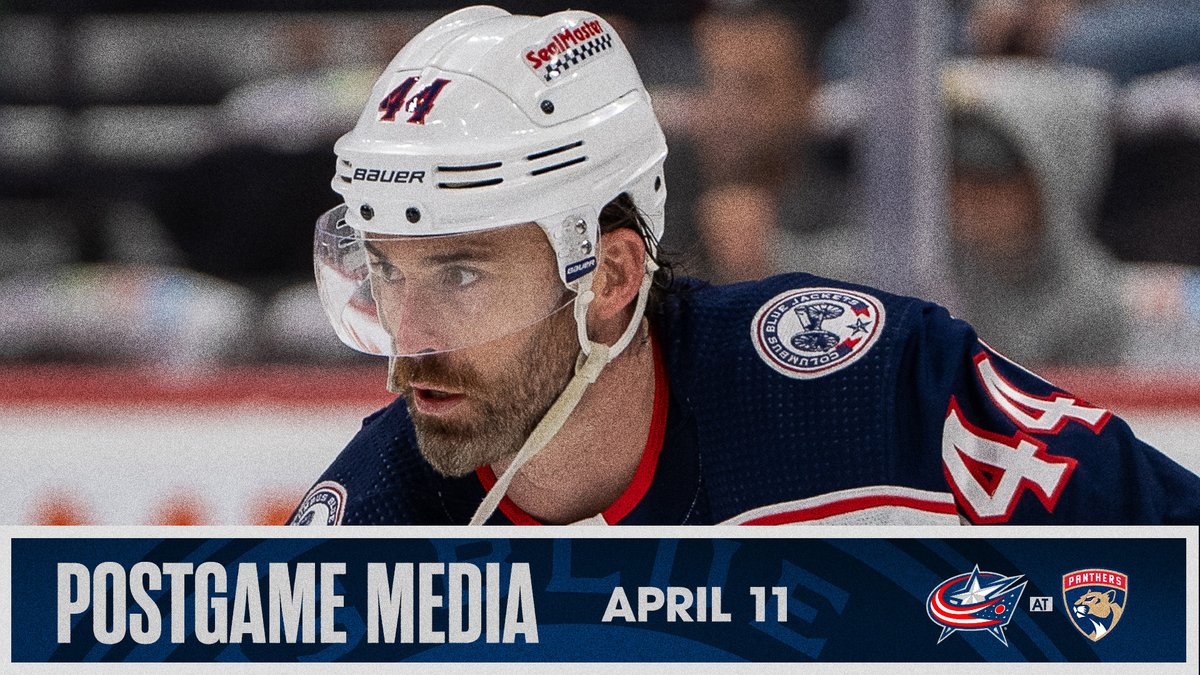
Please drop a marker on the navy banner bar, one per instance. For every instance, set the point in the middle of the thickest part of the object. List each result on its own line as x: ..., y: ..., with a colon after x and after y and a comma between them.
x: 586, y: 599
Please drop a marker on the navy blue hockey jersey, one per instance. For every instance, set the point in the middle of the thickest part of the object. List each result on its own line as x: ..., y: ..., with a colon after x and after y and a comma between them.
x: 802, y: 400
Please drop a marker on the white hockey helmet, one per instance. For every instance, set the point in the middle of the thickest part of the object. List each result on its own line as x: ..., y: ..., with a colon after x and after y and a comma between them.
x: 484, y: 121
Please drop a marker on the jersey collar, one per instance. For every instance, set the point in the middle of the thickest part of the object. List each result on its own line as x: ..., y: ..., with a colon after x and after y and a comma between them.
x: 642, y: 478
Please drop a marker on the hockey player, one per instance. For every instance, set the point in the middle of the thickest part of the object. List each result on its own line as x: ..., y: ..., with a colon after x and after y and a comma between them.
x: 503, y: 199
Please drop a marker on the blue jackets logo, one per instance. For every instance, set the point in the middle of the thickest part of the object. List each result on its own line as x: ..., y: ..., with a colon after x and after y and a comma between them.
x: 810, y: 332
x: 973, y: 601
x: 1095, y: 600
x: 325, y: 504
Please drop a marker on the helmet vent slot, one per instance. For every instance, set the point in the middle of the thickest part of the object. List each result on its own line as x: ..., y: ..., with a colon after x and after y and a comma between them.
x: 556, y: 167
x: 471, y: 184
x: 481, y: 181
x: 472, y: 167
x: 554, y: 151
x: 345, y: 179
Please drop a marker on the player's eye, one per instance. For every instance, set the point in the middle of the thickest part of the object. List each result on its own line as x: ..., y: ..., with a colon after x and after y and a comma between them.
x: 458, y: 276
x: 387, y: 271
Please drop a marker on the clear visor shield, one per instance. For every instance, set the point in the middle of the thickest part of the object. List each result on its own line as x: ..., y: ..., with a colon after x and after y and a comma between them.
x: 404, y: 296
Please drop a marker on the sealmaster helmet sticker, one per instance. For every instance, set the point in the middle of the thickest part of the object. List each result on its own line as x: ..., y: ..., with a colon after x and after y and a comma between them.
x: 572, y: 46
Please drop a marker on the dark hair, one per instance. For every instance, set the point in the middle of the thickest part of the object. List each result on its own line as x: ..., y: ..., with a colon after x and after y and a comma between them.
x: 621, y: 212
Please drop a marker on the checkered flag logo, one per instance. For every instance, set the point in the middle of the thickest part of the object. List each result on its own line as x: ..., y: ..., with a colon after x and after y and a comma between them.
x: 575, y: 56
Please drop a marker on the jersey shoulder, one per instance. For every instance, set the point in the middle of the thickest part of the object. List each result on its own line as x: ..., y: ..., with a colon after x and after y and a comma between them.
x: 790, y: 384
x: 802, y: 302
x: 795, y: 326
x: 812, y: 393
x: 378, y: 479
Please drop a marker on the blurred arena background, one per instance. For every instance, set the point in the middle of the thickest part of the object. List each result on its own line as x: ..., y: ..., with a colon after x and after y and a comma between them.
x: 1032, y: 164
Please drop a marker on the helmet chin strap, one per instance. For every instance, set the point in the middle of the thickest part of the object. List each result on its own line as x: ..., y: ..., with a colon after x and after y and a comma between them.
x: 592, y: 359
x: 391, y: 378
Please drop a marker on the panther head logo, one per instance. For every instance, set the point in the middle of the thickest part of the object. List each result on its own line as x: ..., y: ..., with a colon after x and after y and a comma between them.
x: 1098, y: 604
x: 1096, y: 600
x: 1102, y: 606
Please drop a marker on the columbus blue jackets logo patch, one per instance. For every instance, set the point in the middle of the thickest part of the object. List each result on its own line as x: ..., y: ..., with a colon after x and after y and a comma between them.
x: 810, y: 332
x: 325, y: 504
x: 1095, y: 600
x: 975, y: 601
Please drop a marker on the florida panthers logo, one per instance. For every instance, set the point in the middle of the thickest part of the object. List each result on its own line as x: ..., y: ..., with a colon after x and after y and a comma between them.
x: 1095, y: 600
x: 977, y: 600
x: 810, y: 332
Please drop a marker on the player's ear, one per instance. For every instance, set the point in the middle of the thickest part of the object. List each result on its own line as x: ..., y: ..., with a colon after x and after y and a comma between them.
x: 617, y: 280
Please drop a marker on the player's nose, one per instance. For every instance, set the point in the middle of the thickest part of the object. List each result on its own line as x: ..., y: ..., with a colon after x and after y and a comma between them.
x: 414, y: 327
x: 411, y: 337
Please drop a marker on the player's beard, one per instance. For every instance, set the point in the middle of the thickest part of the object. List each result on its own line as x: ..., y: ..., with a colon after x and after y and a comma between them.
x: 506, y: 408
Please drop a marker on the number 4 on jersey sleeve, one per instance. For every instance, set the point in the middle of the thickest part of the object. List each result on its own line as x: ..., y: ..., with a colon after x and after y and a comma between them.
x: 989, y: 471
